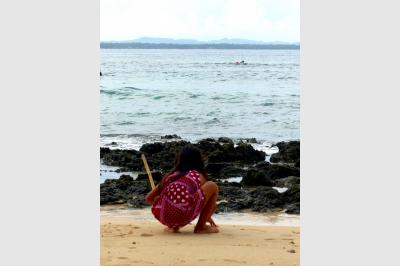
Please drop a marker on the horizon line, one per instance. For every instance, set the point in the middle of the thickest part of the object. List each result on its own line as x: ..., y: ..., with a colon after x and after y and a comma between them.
x: 193, y: 39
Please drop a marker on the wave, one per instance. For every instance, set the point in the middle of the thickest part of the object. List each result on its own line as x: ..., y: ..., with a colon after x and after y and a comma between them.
x: 114, y: 93
x: 177, y: 119
x: 216, y: 98
x: 194, y: 96
x: 267, y: 104
x: 124, y: 123
x: 213, y: 121
x: 159, y: 97
x: 133, y: 88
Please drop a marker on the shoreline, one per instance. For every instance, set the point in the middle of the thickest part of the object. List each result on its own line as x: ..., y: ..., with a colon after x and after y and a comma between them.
x: 134, y: 242
x: 246, y: 217
x: 136, y: 141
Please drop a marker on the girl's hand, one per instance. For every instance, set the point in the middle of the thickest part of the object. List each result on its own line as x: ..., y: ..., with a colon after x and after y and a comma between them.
x: 211, y: 222
x: 155, y: 198
x: 152, y: 195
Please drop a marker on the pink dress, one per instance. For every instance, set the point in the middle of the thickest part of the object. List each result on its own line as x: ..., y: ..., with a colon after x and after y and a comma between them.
x: 181, y: 201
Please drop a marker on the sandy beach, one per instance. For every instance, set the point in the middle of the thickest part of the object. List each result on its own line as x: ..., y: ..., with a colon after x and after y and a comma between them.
x: 135, y: 242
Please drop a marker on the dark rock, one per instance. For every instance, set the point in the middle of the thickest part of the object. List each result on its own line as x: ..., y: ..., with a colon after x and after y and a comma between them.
x: 208, y: 146
x: 164, y: 159
x: 157, y: 176
x: 232, y: 197
x: 235, y: 197
x: 152, y: 148
x: 124, y: 182
x: 266, y: 199
x: 293, y: 208
x: 139, y: 187
x: 215, y: 168
x: 224, y: 207
x: 174, y: 136
x: 287, y: 181
x: 292, y: 194
x: 228, y: 191
x: 223, y: 160
x: 161, y: 156
x: 117, y: 191
x: 235, y: 184
x: 255, y: 177
x: 291, y: 198
x: 103, y: 151
x: 276, y: 171
x: 289, y: 152
x: 225, y: 140
x: 137, y: 202
x: 129, y: 159
x: 246, y: 152
x: 249, y: 140
x: 262, y: 166
x: 232, y: 171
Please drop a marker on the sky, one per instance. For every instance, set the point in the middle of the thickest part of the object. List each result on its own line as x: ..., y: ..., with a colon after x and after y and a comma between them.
x: 260, y: 20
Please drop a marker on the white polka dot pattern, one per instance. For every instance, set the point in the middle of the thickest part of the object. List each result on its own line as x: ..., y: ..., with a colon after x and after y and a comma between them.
x: 180, y: 202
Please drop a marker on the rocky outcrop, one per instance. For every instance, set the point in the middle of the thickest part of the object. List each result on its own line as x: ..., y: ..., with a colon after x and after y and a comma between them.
x: 277, y: 171
x: 287, y: 181
x: 265, y: 174
x: 224, y: 160
x: 231, y: 171
x: 123, y: 190
x: 157, y: 176
x: 161, y: 155
x: 266, y: 199
x: 174, y: 136
x: 128, y: 159
x: 289, y: 152
x: 231, y: 197
x: 291, y: 198
x: 255, y: 177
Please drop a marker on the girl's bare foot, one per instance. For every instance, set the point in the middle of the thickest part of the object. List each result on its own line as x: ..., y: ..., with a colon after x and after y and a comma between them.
x: 206, y: 230
x: 171, y: 230
x: 211, y: 222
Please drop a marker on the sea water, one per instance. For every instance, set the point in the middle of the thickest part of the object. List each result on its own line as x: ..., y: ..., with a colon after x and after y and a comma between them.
x: 198, y: 93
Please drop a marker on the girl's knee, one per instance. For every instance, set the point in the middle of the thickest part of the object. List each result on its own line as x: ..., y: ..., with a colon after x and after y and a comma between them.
x: 212, y: 186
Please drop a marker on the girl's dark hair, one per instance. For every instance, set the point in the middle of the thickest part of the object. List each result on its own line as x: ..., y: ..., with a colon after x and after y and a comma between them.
x: 188, y: 158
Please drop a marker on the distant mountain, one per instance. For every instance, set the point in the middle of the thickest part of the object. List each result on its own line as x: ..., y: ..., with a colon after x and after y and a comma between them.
x: 162, y: 40
x: 156, y: 40
x: 137, y: 45
x: 237, y: 41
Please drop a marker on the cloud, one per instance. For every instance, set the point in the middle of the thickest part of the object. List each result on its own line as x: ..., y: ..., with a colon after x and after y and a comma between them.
x: 266, y: 20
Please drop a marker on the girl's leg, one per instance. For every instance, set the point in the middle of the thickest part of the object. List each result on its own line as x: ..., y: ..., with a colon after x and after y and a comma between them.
x: 210, y: 190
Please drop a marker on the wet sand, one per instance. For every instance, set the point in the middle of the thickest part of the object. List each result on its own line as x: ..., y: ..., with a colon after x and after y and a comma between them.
x: 139, y: 242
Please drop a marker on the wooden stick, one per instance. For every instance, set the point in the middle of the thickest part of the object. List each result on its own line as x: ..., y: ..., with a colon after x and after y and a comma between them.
x: 146, y: 166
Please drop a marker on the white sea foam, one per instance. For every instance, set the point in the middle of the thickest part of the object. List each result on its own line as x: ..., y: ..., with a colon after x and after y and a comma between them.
x: 112, y: 172
x: 280, y: 189
x: 237, y: 179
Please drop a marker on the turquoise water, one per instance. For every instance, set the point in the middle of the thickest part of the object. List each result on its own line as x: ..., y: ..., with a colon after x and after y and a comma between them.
x: 198, y: 93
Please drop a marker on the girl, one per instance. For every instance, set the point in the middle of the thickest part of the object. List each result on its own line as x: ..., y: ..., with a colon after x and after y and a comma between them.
x: 185, y: 193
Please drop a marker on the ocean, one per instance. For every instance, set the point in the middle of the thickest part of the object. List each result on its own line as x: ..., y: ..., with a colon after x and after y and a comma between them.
x: 198, y: 93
